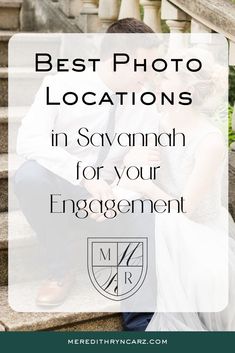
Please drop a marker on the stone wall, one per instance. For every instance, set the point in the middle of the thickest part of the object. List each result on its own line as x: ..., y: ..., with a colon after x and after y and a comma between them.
x: 45, y: 16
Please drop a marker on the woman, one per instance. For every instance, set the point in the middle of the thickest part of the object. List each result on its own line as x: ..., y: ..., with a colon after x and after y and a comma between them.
x: 191, y: 249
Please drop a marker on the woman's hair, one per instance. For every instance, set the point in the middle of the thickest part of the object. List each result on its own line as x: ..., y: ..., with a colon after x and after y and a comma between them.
x: 206, y: 83
x: 129, y: 25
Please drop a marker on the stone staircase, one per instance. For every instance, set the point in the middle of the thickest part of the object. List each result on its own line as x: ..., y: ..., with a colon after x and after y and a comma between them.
x: 9, y: 319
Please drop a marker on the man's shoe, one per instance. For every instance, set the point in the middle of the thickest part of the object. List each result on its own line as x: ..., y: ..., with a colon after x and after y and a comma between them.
x: 53, y: 292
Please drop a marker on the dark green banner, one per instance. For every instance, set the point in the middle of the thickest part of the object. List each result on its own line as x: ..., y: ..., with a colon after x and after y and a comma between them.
x: 164, y: 342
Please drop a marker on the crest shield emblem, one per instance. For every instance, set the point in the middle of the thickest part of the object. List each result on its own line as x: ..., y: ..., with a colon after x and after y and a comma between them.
x: 117, y: 267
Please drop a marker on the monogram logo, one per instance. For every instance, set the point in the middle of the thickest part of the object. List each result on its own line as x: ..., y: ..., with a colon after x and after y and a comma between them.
x: 117, y: 266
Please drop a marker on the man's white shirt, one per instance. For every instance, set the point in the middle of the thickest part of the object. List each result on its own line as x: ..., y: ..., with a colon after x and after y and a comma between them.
x: 34, y: 138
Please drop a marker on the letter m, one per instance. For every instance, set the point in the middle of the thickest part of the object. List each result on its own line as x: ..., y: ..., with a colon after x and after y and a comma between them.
x: 106, y: 255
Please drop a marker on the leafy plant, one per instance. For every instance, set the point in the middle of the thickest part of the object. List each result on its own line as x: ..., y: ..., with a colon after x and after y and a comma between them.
x: 231, y: 133
x: 231, y: 85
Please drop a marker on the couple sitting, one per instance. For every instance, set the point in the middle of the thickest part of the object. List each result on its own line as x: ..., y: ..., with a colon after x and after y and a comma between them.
x: 170, y: 238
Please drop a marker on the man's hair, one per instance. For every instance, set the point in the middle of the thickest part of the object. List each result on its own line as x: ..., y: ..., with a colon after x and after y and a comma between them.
x: 129, y: 25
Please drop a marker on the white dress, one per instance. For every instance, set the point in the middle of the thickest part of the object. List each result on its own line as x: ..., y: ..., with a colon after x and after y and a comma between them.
x: 185, y: 279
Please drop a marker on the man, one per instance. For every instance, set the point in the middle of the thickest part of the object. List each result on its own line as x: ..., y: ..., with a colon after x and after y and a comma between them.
x: 40, y: 176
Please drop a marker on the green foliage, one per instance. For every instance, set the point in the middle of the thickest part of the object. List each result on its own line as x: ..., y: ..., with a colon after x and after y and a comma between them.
x: 231, y: 133
x: 141, y: 12
x: 232, y: 85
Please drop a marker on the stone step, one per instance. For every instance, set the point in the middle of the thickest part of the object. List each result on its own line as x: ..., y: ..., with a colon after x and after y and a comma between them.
x: 17, y: 114
x: 3, y: 130
x: 3, y: 86
x: 22, y: 239
x: 17, y: 321
x: 3, y: 182
x: 10, y: 14
x: 3, y: 249
x: 22, y: 80
x: 26, y: 44
x: 4, y: 39
x: 4, y: 173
